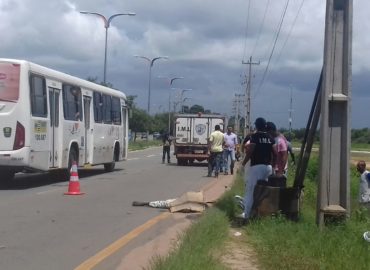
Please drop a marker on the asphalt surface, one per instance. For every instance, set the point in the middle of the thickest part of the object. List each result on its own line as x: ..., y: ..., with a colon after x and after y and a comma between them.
x: 41, y: 228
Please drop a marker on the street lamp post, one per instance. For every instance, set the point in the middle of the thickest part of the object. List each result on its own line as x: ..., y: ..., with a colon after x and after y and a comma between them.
x: 181, y: 96
x: 182, y: 99
x: 169, y: 102
x: 182, y: 103
x: 151, y: 63
x: 106, y: 26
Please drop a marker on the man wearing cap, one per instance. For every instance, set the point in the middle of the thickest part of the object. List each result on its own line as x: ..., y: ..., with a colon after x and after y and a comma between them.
x: 215, y: 144
x: 281, y: 142
x: 261, y: 151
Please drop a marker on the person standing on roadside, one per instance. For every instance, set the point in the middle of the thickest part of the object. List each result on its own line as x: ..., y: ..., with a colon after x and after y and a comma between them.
x: 364, y: 192
x: 261, y: 151
x: 282, y: 149
x: 231, y: 141
x: 215, y: 144
x: 166, y: 139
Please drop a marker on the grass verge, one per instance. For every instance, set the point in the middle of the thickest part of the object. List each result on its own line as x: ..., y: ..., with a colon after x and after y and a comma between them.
x: 281, y: 244
x: 196, y: 245
x: 278, y: 242
x: 139, y: 145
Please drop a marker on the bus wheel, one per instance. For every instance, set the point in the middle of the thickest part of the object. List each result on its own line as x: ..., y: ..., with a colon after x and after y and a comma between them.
x: 109, y: 167
x: 73, y: 157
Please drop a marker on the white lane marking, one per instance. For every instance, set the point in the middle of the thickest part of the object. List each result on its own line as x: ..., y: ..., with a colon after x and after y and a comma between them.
x: 135, y: 158
x: 151, y: 156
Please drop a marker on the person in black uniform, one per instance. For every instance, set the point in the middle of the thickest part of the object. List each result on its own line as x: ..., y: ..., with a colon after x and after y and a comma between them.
x: 261, y: 152
x: 166, y: 139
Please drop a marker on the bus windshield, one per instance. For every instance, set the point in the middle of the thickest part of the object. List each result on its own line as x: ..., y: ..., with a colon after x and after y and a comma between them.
x: 9, y: 82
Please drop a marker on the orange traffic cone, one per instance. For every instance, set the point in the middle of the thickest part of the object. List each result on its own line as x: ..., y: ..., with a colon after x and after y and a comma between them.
x: 74, y: 184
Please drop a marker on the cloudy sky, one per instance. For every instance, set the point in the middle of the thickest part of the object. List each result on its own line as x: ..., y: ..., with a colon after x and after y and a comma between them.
x: 206, y: 42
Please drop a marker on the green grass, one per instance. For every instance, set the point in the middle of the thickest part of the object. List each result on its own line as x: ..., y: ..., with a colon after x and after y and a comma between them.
x: 139, y: 145
x: 354, y: 146
x: 282, y: 244
x: 360, y: 146
x: 197, y: 244
x: 278, y: 242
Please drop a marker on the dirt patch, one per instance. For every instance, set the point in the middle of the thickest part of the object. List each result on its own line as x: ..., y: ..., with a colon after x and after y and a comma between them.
x: 238, y: 254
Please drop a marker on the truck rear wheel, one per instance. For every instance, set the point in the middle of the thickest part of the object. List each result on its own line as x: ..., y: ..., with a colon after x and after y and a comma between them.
x: 182, y: 162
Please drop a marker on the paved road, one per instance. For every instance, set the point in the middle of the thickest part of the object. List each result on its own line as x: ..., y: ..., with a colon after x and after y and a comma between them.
x: 41, y: 228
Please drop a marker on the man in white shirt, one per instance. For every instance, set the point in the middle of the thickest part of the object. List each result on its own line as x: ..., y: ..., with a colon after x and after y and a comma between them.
x: 231, y: 141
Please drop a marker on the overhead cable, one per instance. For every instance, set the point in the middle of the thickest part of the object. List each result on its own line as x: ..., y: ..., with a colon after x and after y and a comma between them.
x: 261, y: 27
x: 273, y: 48
x: 290, y: 31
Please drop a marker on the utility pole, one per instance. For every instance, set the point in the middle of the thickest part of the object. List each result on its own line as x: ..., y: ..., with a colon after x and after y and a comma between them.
x: 335, y: 129
x: 237, y: 102
x: 248, y: 90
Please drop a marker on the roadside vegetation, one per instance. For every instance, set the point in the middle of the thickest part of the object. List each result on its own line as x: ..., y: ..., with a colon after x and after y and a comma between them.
x: 140, y: 121
x: 278, y: 243
x: 139, y: 145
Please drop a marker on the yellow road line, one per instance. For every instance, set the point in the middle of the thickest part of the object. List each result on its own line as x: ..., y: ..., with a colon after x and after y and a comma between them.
x: 115, y: 246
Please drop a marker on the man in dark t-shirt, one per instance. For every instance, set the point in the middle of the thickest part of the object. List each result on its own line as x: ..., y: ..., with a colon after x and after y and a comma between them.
x: 261, y: 152
x: 166, y: 139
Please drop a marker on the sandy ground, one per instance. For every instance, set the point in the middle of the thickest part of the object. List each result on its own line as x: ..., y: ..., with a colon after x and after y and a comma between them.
x: 238, y: 254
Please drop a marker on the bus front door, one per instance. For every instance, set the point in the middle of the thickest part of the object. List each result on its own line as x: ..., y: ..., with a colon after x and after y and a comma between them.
x: 55, y: 156
x: 88, y: 130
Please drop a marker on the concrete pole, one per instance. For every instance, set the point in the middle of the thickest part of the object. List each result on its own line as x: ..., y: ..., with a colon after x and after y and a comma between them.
x: 335, y: 128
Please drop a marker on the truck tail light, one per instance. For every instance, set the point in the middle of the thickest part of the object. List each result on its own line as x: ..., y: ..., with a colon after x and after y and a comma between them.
x: 19, y: 137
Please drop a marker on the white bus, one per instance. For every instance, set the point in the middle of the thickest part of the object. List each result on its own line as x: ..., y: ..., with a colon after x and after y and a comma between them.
x: 49, y: 119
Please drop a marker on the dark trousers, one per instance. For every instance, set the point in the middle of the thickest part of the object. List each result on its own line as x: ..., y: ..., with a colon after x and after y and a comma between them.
x: 166, y: 150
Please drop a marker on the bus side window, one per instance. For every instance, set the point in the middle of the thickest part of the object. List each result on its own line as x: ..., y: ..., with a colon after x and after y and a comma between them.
x: 98, y: 107
x: 38, y: 96
x: 116, y: 110
x: 107, y: 109
x: 72, y: 103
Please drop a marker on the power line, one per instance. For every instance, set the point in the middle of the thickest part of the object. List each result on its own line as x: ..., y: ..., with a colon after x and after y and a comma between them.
x: 246, y: 29
x: 261, y: 27
x: 290, y: 31
x: 273, y: 48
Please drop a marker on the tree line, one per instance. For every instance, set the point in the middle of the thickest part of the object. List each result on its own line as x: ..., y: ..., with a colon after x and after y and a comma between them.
x: 141, y: 121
